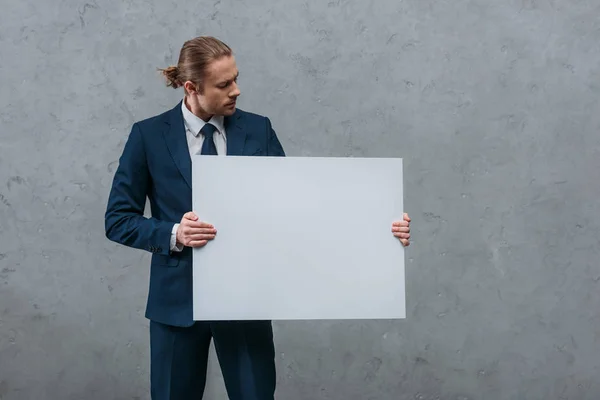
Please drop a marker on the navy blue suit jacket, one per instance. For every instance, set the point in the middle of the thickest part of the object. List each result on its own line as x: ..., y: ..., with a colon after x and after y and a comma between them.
x: 156, y: 164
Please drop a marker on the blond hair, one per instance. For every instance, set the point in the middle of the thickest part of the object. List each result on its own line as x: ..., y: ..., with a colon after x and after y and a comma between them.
x: 195, y: 55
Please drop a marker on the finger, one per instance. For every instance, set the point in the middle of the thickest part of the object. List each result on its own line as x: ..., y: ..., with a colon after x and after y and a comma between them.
x: 199, y: 231
x: 197, y: 243
x: 402, y: 235
x: 199, y: 237
x: 401, y: 229
x: 406, y: 217
x: 405, y: 242
x: 400, y: 223
x: 198, y: 224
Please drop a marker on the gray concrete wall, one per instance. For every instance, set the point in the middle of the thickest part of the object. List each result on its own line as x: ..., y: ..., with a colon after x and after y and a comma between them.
x: 493, y: 105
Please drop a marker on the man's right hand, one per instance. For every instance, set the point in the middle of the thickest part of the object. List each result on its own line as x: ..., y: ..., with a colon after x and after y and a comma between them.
x: 194, y: 233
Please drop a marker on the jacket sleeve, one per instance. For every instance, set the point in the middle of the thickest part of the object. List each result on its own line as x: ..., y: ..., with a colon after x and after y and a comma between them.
x: 274, y: 147
x: 124, y: 219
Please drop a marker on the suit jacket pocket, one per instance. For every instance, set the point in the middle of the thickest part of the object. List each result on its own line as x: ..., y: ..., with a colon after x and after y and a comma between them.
x: 253, y: 148
x: 169, y: 261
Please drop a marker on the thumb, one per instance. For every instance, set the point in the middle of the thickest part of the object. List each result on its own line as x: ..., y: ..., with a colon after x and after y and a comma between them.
x: 190, y: 215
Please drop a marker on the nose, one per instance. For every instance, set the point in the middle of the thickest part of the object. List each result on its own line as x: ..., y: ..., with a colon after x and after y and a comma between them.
x: 235, y: 90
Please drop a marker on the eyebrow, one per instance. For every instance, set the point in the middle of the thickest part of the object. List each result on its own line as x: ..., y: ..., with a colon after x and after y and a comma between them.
x: 229, y: 80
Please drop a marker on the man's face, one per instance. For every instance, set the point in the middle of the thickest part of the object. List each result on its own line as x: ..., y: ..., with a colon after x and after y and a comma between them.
x: 220, y: 90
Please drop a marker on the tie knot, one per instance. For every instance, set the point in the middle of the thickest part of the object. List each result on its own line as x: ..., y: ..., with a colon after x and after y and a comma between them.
x: 208, y: 130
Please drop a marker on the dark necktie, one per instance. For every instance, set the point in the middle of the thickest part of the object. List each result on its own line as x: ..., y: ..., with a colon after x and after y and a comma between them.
x: 208, y: 146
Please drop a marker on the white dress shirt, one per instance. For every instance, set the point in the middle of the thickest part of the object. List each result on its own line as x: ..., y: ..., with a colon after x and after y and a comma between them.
x: 193, y: 124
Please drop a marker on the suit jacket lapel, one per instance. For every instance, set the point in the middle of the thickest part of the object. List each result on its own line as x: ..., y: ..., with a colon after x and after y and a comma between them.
x: 236, y: 137
x: 174, y: 134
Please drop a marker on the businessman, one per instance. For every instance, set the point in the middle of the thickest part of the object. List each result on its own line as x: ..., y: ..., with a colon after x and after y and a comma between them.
x: 156, y: 165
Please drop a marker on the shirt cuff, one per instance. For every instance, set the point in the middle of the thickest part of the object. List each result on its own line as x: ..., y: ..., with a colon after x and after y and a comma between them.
x: 174, y: 245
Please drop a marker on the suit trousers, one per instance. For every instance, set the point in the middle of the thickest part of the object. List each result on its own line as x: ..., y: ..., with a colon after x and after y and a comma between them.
x: 179, y: 357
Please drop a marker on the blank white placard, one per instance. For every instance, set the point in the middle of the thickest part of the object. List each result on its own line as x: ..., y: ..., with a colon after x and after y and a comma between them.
x: 298, y: 238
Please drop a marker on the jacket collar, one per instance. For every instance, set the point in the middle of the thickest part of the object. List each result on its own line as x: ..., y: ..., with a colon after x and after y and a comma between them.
x: 174, y: 135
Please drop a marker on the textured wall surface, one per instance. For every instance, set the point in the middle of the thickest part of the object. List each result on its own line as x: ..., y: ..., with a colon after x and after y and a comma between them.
x: 493, y: 105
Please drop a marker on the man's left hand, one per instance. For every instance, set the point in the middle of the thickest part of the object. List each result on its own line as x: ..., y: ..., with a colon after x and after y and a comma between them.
x: 401, y: 230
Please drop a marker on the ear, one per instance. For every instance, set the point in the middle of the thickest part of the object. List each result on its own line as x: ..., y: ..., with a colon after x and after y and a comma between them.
x: 190, y: 87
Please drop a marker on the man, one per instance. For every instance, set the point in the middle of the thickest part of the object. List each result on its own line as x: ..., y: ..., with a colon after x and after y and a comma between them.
x: 156, y: 164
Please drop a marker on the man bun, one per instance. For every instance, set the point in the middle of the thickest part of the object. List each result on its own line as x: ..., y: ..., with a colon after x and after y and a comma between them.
x: 195, y: 56
x: 171, y: 74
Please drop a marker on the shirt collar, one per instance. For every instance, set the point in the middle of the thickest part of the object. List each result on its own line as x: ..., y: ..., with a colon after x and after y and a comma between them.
x: 194, y: 123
